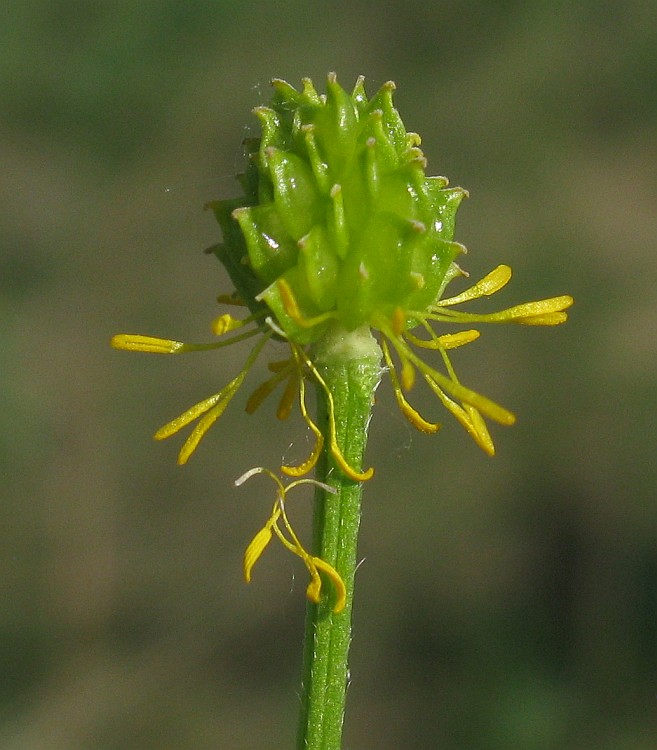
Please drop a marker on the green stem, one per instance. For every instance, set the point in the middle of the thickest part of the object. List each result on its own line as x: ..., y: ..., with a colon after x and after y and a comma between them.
x: 350, y: 364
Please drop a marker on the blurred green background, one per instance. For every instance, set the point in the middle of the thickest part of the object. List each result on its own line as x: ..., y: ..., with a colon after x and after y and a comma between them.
x: 506, y: 604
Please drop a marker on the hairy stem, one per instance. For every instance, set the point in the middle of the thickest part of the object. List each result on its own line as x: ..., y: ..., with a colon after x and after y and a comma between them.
x: 350, y: 364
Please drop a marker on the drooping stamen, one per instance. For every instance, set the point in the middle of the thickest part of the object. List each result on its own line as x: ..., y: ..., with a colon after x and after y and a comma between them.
x: 313, y: 564
x: 460, y: 413
x: 309, y: 463
x: 211, y: 408
x: 256, y: 548
x: 455, y: 389
x: 349, y: 471
x: 476, y: 426
x: 406, y: 409
x: 336, y: 580
x: 262, y: 539
x: 439, y: 383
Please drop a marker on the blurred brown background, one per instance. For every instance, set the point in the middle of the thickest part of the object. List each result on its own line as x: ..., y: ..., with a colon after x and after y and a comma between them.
x: 506, y: 604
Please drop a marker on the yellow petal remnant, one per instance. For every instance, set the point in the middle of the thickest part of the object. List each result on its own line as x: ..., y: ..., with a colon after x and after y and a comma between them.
x: 279, y: 524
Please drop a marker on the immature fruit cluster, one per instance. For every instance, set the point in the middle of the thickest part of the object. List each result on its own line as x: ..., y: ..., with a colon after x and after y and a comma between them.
x: 338, y: 222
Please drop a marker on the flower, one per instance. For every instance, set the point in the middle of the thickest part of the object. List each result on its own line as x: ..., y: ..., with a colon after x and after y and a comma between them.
x: 339, y: 228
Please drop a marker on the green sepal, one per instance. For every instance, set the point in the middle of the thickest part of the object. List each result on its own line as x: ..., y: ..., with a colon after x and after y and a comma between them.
x: 273, y: 136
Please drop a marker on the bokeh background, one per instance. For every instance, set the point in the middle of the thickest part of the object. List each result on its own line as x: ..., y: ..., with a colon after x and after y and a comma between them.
x: 506, y: 603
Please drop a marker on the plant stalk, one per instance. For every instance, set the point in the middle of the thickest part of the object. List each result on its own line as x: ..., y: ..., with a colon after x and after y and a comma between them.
x: 350, y: 364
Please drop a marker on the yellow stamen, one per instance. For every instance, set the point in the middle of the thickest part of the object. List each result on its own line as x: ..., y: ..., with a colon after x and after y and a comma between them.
x: 207, y: 420
x: 454, y: 388
x: 264, y: 389
x: 287, y: 399
x: 255, y: 549
x: 292, y: 308
x: 262, y: 539
x: 406, y: 409
x: 407, y: 375
x: 529, y: 312
x: 542, y: 312
x: 336, y: 580
x: 491, y: 283
x: 153, y: 345
x: 479, y: 435
x: 137, y: 343
x: 346, y: 469
x: 454, y: 340
x: 170, y: 428
x: 313, y: 564
x: 446, y: 341
x: 225, y: 323
x: 289, y: 300
x: 309, y: 463
x: 480, y: 431
x: 474, y: 422
x: 398, y: 321
x: 549, y: 319
x: 314, y: 588
x: 211, y: 409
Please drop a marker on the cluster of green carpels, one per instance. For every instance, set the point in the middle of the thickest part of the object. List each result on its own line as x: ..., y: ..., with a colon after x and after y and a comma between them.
x: 338, y: 222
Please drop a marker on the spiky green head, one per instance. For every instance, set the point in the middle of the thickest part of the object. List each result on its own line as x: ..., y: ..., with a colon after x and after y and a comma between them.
x: 338, y: 221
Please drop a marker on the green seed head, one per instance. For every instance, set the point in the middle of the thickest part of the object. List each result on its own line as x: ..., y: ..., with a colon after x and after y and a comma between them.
x: 338, y: 221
